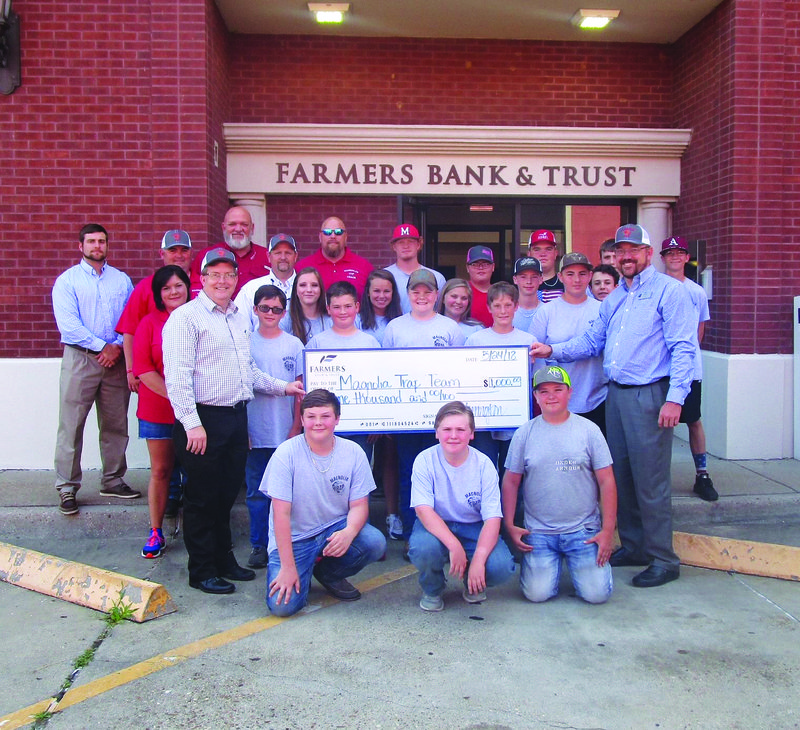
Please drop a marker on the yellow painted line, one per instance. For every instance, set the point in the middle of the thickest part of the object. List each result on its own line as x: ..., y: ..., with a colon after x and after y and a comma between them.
x: 181, y: 654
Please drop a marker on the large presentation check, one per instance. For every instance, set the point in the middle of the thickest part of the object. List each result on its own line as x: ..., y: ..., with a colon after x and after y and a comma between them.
x: 401, y: 390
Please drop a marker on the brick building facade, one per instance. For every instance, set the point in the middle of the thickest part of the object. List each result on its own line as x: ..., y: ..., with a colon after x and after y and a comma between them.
x: 120, y: 119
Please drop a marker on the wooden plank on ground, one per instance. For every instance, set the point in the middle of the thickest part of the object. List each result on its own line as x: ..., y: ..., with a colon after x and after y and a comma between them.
x: 738, y: 556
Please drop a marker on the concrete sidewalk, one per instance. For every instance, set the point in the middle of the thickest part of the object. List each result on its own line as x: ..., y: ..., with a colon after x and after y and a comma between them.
x: 711, y: 650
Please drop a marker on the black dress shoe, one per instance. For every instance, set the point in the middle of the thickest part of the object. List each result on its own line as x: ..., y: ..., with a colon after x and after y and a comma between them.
x: 342, y: 589
x: 622, y: 557
x: 237, y: 572
x: 654, y: 576
x: 213, y: 585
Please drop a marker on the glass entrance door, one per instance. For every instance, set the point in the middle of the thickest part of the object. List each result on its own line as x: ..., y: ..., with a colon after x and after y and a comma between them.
x: 451, y: 226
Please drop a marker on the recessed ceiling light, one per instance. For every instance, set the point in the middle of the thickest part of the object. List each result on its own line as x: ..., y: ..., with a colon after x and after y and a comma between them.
x: 594, y: 19
x: 329, y: 12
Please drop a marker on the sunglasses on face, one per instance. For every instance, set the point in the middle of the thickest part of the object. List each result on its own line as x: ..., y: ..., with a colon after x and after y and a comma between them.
x: 333, y: 231
x: 266, y: 309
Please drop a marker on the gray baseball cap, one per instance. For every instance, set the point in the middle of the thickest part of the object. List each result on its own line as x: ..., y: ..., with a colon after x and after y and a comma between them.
x: 219, y: 256
x: 424, y: 277
x: 176, y: 237
x: 551, y: 374
x: 632, y: 233
x: 576, y: 258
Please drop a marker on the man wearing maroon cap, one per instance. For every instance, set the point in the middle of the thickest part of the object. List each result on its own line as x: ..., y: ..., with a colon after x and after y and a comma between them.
x: 480, y: 267
x: 406, y: 244
x: 675, y: 254
x: 542, y: 246
x: 237, y: 232
x: 334, y: 260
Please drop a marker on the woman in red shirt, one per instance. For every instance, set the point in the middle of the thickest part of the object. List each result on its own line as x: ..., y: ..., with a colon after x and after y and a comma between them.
x: 170, y: 289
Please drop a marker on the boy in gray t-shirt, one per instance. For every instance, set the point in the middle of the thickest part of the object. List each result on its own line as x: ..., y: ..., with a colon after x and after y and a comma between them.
x: 565, y: 461
x: 342, y: 303
x: 455, y: 493
x: 271, y: 419
x: 421, y: 327
x: 319, y: 484
x: 502, y: 300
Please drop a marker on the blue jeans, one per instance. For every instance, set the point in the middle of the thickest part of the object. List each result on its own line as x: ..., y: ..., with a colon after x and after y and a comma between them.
x: 257, y: 502
x: 428, y: 554
x: 409, y: 446
x: 541, y: 568
x: 367, y: 547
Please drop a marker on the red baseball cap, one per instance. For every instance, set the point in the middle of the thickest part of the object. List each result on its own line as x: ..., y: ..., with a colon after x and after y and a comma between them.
x: 542, y: 237
x: 404, y: 230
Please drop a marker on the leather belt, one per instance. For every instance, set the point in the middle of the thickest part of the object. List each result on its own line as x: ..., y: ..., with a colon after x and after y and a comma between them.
x: 625, y: 386
x: 82, y: 349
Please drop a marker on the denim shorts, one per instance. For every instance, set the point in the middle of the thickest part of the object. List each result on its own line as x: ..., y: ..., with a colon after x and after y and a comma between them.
x: 155, y: 431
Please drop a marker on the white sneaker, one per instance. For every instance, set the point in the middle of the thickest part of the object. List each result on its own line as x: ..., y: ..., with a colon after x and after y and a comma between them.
x: 394, y: 526
x: 431, y: 603
x: 473, y: 597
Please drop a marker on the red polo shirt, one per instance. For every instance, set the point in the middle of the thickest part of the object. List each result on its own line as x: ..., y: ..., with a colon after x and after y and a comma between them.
x: 351, y: 267
x: 140, y: 304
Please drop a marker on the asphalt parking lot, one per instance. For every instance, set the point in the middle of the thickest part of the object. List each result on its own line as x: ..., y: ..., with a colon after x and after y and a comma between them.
x: 711, y: 650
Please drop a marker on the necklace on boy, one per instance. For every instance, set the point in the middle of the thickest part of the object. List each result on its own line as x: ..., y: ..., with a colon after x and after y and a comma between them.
x: 328, y: 458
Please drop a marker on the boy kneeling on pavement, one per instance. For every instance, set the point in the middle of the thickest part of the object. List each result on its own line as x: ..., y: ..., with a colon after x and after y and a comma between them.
x: 565, y: 461
x: 319, y: 484
x: 455, y: 492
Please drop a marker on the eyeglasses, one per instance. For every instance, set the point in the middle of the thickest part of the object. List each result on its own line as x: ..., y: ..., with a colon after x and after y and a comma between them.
x: 266, y: 309
x: 480, y: 264
x: 333, y: 231
x: 217, y: 276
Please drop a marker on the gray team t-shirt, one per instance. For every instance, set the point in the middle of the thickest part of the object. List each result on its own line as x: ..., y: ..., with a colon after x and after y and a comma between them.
x: 558, y: 462
x: 700, y: 303
x: 559, y: 321
x: 269, y: 417
x: 332, y: 340
x: 466, y: 493
x: 319, y: 488
x: 523, y: 318
x: 489, y: 338
x: 440, y: 331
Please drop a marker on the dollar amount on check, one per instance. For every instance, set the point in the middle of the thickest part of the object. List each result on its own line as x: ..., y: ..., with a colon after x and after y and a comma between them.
x: 401, y: 390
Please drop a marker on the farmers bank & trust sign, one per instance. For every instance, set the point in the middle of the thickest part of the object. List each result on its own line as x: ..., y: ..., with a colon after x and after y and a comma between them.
x: 353, y: 159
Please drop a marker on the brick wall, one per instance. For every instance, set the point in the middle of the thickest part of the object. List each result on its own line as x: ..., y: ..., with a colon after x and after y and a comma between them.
x: 444, y: 81
x: 738, y: 177
x: 369, y: 221
x: 109, y: 125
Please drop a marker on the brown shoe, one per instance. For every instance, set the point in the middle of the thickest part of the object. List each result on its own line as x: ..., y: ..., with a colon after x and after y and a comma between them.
x: 69, y: 505
x: 121, y: 491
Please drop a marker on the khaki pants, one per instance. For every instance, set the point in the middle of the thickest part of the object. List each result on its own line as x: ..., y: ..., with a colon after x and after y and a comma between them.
x: 85, y: 382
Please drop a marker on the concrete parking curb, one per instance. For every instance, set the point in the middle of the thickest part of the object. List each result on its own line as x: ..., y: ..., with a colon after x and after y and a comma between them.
x: 82, y: 584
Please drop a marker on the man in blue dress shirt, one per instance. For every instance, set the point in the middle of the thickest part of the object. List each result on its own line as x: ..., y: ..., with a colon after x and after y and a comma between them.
x: 645, y: 332
x: 88, y: 300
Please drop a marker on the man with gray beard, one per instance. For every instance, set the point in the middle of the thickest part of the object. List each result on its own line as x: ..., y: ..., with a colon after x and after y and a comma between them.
x: 237, y: 232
